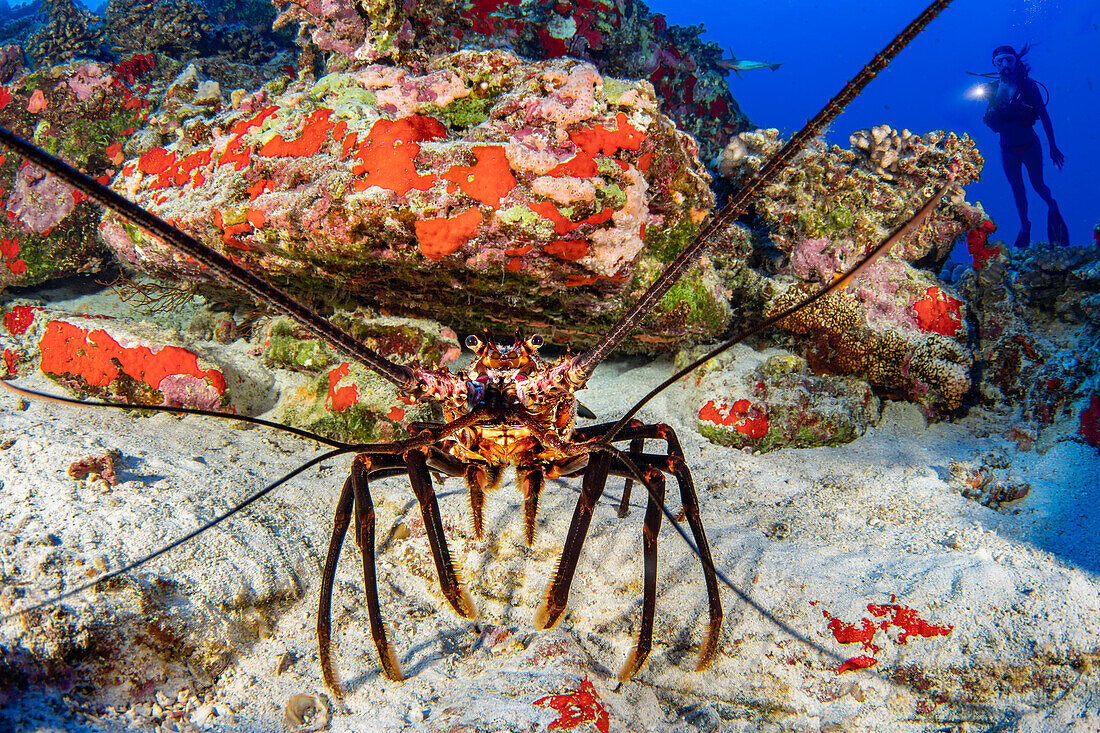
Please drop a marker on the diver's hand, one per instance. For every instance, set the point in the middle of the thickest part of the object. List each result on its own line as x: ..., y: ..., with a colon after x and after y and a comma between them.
x: 1057, y: 157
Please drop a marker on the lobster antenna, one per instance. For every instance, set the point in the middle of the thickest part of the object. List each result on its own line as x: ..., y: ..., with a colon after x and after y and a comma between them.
x: 233, y: 273
x: 44, y: 397
x: 584, y: 364
x: 180, y: 540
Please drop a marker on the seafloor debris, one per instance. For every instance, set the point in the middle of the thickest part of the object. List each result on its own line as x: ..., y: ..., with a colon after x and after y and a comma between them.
x: 98, y: 467
x: 306, y: 714
x: 988, y: 480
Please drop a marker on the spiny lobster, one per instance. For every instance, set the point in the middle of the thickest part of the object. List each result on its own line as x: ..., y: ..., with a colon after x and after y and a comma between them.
x: 509, y: 407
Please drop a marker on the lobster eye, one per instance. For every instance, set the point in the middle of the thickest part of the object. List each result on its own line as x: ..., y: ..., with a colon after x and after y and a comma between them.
x: 536, y: 341
x: 472, y: 342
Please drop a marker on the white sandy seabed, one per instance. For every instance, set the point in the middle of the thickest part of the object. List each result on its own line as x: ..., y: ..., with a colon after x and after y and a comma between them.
x: 218, y: 634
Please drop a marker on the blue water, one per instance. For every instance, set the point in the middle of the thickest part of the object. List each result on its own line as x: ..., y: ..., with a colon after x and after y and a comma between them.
x: 823, y: 44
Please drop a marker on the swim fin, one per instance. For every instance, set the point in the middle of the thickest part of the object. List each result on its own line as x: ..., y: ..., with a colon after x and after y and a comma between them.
x: 1057, y: 232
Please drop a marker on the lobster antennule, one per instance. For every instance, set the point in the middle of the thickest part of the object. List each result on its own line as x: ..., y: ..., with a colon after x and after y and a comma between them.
x: 233, y: 273
x: 584, y: 364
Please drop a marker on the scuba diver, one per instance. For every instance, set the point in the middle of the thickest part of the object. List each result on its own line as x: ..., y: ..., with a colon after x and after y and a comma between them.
x: 1015, y: 103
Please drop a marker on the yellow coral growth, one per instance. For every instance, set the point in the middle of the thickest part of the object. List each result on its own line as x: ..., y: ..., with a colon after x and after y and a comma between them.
x: 926, y: 366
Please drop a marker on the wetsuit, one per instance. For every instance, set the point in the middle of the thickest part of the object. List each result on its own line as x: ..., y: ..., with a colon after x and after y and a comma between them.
x: 1012, y: 113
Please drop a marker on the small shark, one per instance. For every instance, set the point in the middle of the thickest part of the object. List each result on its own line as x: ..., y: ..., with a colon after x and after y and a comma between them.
x: 737, y: 65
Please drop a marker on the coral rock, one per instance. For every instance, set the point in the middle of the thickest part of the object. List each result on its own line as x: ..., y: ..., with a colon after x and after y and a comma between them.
x: 345, y: 400
x: 395, y: 202
x: 49, y: 229
x: 1037, y: 336
x: 772, y: 400
x: 107, y: 359
x: 846, y: 338
x: 864, y: 192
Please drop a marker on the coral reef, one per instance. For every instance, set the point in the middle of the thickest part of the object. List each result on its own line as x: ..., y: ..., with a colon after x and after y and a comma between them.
x: 864, y: 192
x: 627, y: 40
x: 234, y: 45
x: 1036, y: 316
x: 119, y: 360
x: 920, y: 364
x: 356, y: 32
x: 69, y: 32
x: 897, y: 324
x: 82, y: 113
x: 484, y: 189
x: 620, y: 39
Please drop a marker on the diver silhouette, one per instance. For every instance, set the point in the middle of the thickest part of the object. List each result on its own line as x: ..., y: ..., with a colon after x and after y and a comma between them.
x: 1015, y: 103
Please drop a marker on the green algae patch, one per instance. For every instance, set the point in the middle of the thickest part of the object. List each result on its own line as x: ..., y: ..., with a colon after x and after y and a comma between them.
x: 664, y: 244
x: 695, y: 304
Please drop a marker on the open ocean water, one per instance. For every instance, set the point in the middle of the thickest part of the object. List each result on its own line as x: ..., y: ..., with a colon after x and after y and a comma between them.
x: 821, y: 44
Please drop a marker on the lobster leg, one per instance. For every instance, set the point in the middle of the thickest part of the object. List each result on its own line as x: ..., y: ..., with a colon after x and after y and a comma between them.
x: 675, y: 465
x: 530, y: 483
x: 652, y: 527
x: 421, y: 482
x: 689, y: 500
x: 324, y: 607
x: 636, y: 447
x: 364, y: 537
x: 356, y: 493
x: 595, y: 478
x: 673, y: 462
x: 476, y: 479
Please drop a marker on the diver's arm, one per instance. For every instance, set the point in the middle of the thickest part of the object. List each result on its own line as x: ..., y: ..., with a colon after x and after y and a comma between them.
x: 1044, y: 117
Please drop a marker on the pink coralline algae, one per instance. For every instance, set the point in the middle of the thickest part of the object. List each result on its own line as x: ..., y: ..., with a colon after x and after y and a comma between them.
x: 87, y: 79
x: 39, y: 201
x: 821, y: 259
x: 341, y: 27
x: 1090, y: 422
